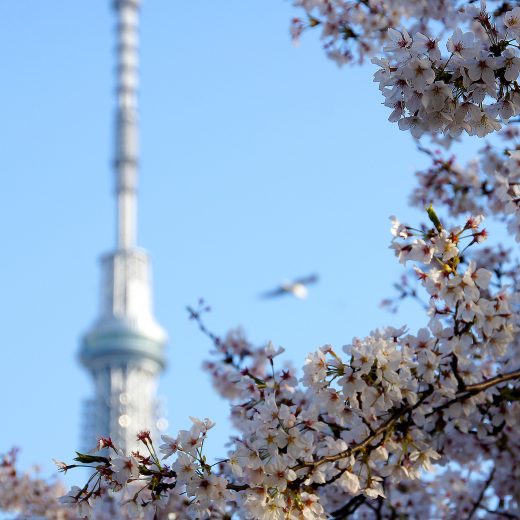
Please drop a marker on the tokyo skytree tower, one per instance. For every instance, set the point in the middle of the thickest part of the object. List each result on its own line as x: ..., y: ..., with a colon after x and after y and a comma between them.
x: 124, y: 348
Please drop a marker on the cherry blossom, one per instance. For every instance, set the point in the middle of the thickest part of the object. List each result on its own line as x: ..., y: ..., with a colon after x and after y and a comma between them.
x: 399, y: 423
x: 377, y: 414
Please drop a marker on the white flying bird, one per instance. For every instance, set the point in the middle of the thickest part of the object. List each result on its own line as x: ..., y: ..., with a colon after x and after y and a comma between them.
x: 297, y: 288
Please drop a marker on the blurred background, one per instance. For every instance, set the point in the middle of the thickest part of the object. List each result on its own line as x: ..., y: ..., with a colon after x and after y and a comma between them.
x: 261, y: 161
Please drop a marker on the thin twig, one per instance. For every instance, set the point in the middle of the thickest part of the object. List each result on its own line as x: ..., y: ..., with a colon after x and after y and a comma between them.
x: 478, y: 502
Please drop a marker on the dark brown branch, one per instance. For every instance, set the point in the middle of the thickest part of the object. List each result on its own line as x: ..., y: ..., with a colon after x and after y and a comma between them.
x: 196, y: 316
x: 503, y: 514
x: 478, y: 502
x: 461, y: 385
x: 469, y: 391
x: 484, y: 385
x: 235, y: 487
x: 350, y: 507
x: 364, y: 444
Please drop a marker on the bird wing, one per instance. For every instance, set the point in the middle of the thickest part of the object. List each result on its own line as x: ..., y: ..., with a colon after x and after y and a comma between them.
x: 307, y: 280
x: 274, y: 293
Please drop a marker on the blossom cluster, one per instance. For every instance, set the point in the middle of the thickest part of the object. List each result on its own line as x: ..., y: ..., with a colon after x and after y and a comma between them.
x: 360, y: 427
x: 473, y: 88
x: 141, y: 485
x: 354, y: 29
x: 29, y: 494
x: 470, y: 87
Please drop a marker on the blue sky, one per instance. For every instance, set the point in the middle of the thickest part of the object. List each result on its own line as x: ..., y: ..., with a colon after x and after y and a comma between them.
x: 260, y: 161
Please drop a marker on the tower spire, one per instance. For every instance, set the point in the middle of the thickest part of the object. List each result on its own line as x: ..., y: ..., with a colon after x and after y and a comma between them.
x: 124, y: 349
x: 126, y: 159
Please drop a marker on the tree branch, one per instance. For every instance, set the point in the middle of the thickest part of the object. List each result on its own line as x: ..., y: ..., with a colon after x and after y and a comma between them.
x: 478, y: 502
x: 504, y: 514
x: 484, y: 385
x: 350, y: 507
x: 469, y: 391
